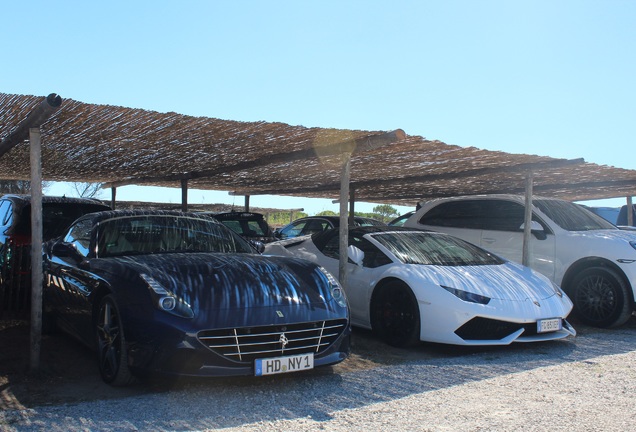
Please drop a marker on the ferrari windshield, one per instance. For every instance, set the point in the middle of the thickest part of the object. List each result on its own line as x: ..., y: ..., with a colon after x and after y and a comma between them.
x: 145, y: 234
x: 571, y: 217
x: 414, y: 247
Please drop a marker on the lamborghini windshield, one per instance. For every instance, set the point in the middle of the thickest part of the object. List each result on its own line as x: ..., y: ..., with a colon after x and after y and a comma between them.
x: 413, y: 247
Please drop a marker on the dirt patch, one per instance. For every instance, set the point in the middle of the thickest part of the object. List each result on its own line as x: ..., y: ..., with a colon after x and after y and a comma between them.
x: 68, y: 370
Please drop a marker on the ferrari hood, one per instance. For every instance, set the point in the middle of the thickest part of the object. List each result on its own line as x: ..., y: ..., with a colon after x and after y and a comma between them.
x: 231, y: 281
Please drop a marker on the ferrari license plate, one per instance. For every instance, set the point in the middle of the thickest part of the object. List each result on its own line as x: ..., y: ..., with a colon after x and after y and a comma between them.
x: 276, y: 365
x: 549, y: 325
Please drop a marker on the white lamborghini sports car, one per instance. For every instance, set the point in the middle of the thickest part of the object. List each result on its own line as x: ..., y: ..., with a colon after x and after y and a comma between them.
x: 410, y: 285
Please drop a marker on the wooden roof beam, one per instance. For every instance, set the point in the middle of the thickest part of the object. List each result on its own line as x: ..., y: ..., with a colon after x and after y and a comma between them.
x: 352, y: 146
x: 34, y: 119
x: 521, y: 189
x: 523, y: 167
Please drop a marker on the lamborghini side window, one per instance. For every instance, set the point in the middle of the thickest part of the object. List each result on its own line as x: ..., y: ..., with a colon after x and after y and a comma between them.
x: 373, y: 257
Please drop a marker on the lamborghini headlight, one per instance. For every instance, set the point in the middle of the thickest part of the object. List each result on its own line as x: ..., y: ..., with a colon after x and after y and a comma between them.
x: 467, y: 296
x: 336, y: 290
x: 165, y: 300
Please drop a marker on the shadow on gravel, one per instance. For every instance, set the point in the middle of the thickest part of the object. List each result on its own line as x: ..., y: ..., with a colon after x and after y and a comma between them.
x: 374, y: 373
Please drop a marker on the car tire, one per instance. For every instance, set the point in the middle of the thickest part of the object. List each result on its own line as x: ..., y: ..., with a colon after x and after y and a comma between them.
x: 601, y: 297
x: 49, y: 322
x: 111, y: 344
x: 395, y: 315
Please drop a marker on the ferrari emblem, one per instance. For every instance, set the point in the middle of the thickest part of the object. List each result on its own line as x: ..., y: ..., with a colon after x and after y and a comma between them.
x: 283, y: 340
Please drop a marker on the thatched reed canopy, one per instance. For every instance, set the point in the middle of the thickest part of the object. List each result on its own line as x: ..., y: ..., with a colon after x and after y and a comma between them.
x: 119, y: 146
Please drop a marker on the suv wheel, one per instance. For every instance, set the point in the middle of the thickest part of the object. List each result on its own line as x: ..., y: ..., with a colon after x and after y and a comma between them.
x: 601, y: 297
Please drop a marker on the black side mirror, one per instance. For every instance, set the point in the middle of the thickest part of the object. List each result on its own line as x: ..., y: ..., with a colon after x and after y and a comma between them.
x: 539, y: 234
x: 537, y: 230
x: 62, y: 250
x: 258, y: 245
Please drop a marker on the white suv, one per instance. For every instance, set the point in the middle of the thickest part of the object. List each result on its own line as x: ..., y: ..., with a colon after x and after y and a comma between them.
x: 592, y: 260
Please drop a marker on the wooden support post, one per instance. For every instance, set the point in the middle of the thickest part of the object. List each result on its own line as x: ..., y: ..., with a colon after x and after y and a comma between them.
x: 30, y: 128
x: 247, y: 203
x: 527, y: 222
x: 352, y: 203
x: 344, y: 225
x: 36, y: 246
x: 630, y: 212
x: 346, y: 150
x: 184, y: 195
x: 113, y: 196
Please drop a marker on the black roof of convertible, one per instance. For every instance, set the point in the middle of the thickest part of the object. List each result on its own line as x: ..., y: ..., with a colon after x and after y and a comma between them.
x: 109, y: 214
x: 26, y: 199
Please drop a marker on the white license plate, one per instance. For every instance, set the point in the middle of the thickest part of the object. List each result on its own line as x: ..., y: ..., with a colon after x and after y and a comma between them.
x: 549, y: 325
x: 276, y: 365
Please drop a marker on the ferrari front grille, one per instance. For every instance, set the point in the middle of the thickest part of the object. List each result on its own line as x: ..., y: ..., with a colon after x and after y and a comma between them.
x: 248, y: 343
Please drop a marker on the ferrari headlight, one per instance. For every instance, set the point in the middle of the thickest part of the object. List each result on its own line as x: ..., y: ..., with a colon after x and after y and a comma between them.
x: 165, y: 300
x: 336, y: 290
x: 467, y: 296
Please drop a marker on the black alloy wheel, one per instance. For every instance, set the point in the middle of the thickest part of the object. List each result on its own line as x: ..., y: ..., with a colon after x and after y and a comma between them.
x: 600, y: 297
x: 395, y: 315
x: 113, y: 358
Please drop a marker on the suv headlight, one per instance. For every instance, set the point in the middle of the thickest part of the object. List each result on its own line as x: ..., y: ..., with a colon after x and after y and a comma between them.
x: 334, y: 287
x: 166, y: 301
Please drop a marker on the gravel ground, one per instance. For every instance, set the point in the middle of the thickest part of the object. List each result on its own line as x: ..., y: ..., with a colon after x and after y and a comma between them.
x: 582, y: 384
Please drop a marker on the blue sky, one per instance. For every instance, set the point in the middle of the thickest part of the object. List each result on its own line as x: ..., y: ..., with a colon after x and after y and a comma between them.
x: 553, y: 77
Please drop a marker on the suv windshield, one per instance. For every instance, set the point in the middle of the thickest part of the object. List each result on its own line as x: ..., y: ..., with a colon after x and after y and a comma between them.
x: 571, y: 217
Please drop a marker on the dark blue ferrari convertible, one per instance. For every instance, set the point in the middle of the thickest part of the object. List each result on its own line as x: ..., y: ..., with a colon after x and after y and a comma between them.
x: 159, y: 292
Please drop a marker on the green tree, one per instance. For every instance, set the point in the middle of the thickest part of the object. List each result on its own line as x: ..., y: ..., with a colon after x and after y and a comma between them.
x: 281, y: 218
x: 327, y: 213
x: 385, y: 212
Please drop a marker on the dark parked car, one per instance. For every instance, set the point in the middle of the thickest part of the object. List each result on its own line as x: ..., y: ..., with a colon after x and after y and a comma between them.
x: 399, y: 221
x: 610, y: 214
x: 249, y: 225
x: 15, y: 240
x: 314, y: 224
x: 622, y: 216
x: 162, y: 292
